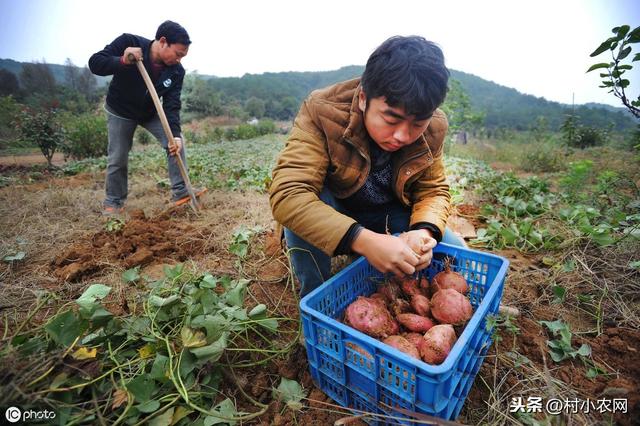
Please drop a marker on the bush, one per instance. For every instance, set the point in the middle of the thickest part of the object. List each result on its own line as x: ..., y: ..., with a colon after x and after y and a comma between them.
x: 143, y: 136
x: 41, y: 128
x: 8, y: 112
x: 543, y: 158
x: 86, y: 137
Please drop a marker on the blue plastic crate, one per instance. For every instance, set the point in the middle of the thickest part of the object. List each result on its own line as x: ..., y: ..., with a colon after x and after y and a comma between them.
x: 365, y: 375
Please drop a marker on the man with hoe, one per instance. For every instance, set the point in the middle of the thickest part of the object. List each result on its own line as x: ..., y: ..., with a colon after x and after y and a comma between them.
x: 364, y: 161
x: 129, y: 104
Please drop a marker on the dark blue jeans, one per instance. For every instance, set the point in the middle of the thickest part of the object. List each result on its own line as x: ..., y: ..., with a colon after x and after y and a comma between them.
x: 312, y: 266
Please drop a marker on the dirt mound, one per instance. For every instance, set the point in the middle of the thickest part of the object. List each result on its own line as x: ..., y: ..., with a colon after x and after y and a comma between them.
x: 140, y: 241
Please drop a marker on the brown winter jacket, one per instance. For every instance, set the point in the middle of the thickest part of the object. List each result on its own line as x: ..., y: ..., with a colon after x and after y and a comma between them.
x: 329, y: 143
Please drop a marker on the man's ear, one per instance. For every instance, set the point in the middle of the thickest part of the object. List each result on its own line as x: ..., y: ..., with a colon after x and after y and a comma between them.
x: 163, y: 41
x: 362, y: 101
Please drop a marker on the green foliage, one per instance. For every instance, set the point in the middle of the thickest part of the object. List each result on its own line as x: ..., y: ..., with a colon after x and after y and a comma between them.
x: 37, y: 77
x: 545, y: 157
x: 291, y: 393
x: 143, y: 136
x: 578, y: 136
x: 9, y: 85
x: 457, y: 106
x: 86, y: 137
x: 41, y: 129
x: 9, y: 109
x: 166, y: 356
x: 613, y: 77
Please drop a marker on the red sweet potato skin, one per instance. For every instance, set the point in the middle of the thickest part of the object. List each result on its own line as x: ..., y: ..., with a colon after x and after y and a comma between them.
x: 414, y: 322
x: 402, y: 345
x: 451, y: 307
x: 438, y: 343
x: 449, y: 279
x: 371, y: 317
x: 420, y: 304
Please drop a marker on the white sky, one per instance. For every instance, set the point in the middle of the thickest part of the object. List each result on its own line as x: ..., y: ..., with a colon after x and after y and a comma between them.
x: 537, y: 47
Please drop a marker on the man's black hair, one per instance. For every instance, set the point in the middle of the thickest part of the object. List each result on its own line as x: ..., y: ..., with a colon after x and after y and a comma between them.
x: 409, y: 72
x: 173, y: 32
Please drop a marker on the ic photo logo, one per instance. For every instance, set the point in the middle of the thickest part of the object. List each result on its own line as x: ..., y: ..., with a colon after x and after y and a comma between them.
x: 13, y: 414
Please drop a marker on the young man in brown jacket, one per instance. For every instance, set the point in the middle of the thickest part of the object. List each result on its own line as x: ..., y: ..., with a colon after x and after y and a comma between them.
x: 364, y: 160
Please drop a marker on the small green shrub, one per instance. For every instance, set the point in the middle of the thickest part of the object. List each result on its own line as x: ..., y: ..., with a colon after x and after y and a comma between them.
x: 543, y: 158
x: 41, y: 128
x: 86, y: 137
x: 143, y: 136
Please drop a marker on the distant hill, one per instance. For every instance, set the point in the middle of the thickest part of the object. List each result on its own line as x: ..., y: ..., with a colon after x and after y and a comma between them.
x: 57, y: 71
x: 503, y: 106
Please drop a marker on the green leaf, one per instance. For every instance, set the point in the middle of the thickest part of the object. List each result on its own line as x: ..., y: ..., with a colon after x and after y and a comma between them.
x: 164, y: 419
x: 131, y: 275
x: 13, y: 257
x: 559, y: 293
x: 159, y: 368
x: 634, y: 265
x: 65, y: 327
x: 290, y: 392
x: 625, y: 52
x: 584, y: 350
x: 622, y: 31
x: 163, y: 301
x: 258, y: 310
x: 598, y: 66
x: 636, y: 57
x: 208, y: 281
x: 211, y: 352
x: 142, y: 387
x: 227, y: 410
x: 606, y: 45
x: 148, y: 406
x: 92, y: 294
x: 192, y: 338
x: 213, y: 324
x: 235, y: 296
x: 554, y: 326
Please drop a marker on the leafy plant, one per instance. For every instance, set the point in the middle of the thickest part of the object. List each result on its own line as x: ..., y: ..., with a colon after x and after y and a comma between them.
x: 290, y: 392
x: 86, y: 137
x: 41, y: 129
x: 613, y: 77
x: 170, y: 356
x: 114, y: 224
x: 561, y: 348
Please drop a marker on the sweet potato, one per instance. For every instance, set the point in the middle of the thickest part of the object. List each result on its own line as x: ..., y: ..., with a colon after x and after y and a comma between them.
x: 390, y: 290
x: 450, y: 307
x: 420, y: 304
x: 438, y: 343
x: 413, y: 322
x: 409, y: 286
x: 399, y: 306
x: 449, y: 279
x: 371, y: 317
x: 416, y: 339
x: 402, y: 345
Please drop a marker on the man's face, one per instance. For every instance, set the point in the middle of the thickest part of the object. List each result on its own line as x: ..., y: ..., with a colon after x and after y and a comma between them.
x: 390, y: 127
x: 172, y: 54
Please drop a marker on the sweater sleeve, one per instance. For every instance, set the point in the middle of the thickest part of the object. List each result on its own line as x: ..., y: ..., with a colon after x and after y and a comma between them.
x: 172, y: 104
x: 107, y: 60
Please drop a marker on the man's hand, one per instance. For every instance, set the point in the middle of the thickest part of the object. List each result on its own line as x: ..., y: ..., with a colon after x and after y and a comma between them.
x: 176, y: 146
x: 422, y: 243
x: 386, y: 253
x: 136, y: 52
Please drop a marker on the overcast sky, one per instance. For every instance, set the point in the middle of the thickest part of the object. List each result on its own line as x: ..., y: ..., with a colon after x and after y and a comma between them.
x: 537, y: 47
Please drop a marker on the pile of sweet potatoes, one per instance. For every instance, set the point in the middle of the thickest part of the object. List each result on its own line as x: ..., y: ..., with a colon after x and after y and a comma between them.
x: 413, y: 315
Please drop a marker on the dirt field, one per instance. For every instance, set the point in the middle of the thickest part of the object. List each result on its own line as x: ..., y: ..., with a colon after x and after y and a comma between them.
x: 56, y: 221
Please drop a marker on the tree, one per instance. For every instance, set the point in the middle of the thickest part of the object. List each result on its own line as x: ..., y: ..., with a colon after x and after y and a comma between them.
x: 41, y: 128
x: 37, y: 77
x: 255, y: 107
x: 458, y: 109
x: 8, y: 83
x: 200, y: 97
x: 86, y: 83
x: 71, y: 74
x: 620, y: 47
